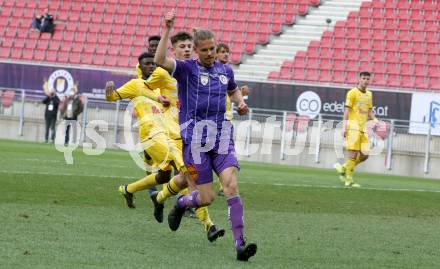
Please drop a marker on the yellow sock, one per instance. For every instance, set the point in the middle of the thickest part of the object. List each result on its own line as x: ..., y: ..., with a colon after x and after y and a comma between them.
x: 349, y: 166
x: 358, y: 159
x: 184, y: 191
x: 142, y: 184
x: 168, y: 190
x: 203, y: 215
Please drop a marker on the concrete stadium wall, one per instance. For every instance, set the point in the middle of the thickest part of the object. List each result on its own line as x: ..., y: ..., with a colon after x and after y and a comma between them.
x: 403, y: 163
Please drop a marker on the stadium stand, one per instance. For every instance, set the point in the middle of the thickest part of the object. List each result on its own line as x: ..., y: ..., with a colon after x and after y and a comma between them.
x: 105, y: 27
x: 396, y: 40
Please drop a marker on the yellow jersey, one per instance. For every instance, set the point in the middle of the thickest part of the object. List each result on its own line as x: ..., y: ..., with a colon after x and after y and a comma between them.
x: 161, y: 79
x: 146, y: 106
x: 138, y: 71
x: 360, y: 104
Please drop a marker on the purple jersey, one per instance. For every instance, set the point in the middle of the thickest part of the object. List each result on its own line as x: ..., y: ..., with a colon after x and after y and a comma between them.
x: 202, y: 94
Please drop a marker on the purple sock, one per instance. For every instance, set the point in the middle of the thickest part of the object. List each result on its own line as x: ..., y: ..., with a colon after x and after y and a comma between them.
x: 235, y: 214
x: 189, y: 200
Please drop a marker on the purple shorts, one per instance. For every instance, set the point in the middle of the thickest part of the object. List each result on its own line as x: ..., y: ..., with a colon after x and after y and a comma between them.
x: 201, y: 164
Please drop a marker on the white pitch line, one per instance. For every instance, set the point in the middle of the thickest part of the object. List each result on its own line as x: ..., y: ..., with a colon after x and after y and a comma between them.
x: 341, y: 187
x: 63, y: 162
x: 241, y: 182
x: 61, y: 174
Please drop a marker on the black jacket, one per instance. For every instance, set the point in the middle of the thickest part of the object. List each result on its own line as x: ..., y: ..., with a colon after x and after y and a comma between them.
x: 52, y: 103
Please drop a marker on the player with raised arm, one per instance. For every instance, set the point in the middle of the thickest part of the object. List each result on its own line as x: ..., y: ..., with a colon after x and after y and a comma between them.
x: 161, y: 79
x: 358, y: 110
x: 206, y: 135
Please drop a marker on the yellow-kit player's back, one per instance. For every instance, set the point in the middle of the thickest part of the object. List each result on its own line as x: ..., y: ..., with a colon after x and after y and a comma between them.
x: 147, y: 110
x: 161, y: 79
x: 360, y: 103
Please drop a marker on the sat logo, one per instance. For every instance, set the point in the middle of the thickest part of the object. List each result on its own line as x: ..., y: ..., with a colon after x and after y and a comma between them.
x: 60, y: 82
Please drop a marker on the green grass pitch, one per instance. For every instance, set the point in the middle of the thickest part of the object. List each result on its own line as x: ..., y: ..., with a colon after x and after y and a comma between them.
x: 54, y: 215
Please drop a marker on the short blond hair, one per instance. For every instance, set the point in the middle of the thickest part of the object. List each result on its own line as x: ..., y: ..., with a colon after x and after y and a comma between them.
x: 202, y: 34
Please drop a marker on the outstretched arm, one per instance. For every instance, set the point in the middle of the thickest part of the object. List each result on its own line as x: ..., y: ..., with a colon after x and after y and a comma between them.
x: 110, y: 92
x: 237, y: 98
x: 161, y: 58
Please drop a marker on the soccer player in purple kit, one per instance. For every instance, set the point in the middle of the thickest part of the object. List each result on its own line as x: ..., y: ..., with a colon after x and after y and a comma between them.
x: 206, y: 133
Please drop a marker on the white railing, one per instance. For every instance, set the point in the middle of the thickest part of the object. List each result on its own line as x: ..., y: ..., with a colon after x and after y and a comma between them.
x: 318, y: 133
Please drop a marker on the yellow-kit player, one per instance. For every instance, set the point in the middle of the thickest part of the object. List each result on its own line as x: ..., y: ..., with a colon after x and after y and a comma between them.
x: 358, y: 110
x: 154, y: 134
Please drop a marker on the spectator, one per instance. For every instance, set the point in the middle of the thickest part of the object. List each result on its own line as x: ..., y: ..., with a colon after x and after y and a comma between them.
x: 50, y: 115
x: 72, y: 107
x: 36, y: 23
x: 47, y: 25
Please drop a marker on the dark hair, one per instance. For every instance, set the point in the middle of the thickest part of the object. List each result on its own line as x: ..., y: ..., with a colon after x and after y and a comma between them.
x: 154, y: 37
x: 202, y: 34
x: 222, y: 45
x: 365, y: 73
x: 145, y: 55
x: 181, y: 36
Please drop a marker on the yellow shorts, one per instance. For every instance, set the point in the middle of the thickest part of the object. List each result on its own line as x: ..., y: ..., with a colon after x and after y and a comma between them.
x: 164, y: 152
x: 357, y: 141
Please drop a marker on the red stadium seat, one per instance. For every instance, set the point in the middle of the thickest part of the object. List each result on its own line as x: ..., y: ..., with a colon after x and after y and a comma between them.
x: 312, y: 75
x: 434, y: 84
x: 421, y: 82
x: 303, y: 10
x: 379, y: 79
x: 398, y: 34
x: 342, y: 65
x: 325, y: 76
x: 122, y: 62
x: 5, y: 50
x: 312, y: 62
x: 299, y: 74
x: 75, y: 58
x: 406, y: 69
x: 393, y: 80
x: 51, y: 56
x: 87, y: 58
x: 407, y: 81
x: 274, y: 75
x: 339, y: 76
x: 63, y: 56
x: 325, y: 64
x: 236, y: 58
x: 420, y: 70
x: 300, y: 59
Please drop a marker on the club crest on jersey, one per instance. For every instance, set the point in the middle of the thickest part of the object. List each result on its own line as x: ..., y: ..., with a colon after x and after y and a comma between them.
x: 223, y: 79
x: 204, y: 79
